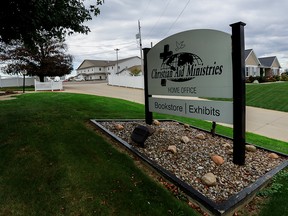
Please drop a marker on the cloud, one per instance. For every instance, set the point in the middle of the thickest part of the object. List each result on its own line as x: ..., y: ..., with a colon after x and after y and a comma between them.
x: 266, y: 31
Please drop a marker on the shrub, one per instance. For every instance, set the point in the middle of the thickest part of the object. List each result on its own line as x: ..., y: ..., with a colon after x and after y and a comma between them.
x: 276, y: 77
x: 284, y: 77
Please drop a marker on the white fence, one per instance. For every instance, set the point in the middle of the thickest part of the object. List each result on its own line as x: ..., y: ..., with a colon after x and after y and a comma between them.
x: 126, y: 81
x: 8, y: 81
x: 48, y: 86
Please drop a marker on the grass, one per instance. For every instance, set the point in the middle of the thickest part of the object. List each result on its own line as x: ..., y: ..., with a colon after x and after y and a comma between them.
x: 272, y: 96
x: 51, y: 163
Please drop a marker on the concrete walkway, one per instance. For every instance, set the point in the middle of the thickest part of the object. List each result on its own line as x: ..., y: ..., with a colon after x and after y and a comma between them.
x: 269, y: 123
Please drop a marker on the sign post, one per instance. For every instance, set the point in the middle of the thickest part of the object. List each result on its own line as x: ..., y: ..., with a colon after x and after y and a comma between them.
x: 239, y: 106
x: 148, y: 114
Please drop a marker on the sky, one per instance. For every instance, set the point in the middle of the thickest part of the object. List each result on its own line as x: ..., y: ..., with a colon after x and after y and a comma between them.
x: 266, y: 30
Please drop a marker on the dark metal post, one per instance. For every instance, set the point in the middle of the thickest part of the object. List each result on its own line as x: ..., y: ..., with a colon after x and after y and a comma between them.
x: 239, y: 113
x: 148, y: 114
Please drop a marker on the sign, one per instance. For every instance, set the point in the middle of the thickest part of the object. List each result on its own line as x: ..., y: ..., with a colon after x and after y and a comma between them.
x: 195, y: 63
x: 217, y: 111
x: 199, y: 63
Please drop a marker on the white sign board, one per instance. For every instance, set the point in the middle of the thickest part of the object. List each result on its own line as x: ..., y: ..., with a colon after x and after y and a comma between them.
x: 195, y: 63
x: 217, y: 111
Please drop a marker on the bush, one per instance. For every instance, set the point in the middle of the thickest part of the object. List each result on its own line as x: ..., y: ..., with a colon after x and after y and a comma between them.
x: 284, y: 77
x: 276, y: 77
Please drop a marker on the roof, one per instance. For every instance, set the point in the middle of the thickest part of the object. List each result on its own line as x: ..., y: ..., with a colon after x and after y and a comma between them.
x: 250, y: 55
x: 87, y: 63
x: 268, y: 61
x: 247, y: 53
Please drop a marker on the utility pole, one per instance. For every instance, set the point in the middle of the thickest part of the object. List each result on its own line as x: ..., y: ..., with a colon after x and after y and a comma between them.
x: 138, y: 36
x: 117, y: 50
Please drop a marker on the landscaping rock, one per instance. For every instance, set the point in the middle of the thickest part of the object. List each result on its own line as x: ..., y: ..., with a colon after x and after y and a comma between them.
x: 119, y: 127
x: 250, y: 148
x: 186, y: 126
x: 161, y: 130
x: 230, y: 151
x: 227, y: 145
x: 217, y: 159
x: 273, y: 156
x: 200, y: 136
x: 156, y: 122
x: 209, y: 179
x: 172, y: 148
x: 185, y: 139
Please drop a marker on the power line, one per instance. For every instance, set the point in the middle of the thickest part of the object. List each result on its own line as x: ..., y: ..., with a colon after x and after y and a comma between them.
x: 178, y: 17
x: 156, y: 23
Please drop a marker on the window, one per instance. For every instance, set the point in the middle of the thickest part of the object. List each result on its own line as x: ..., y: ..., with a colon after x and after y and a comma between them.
x: 99, y: 69
x: 254, y: 71
x: 247, y: 71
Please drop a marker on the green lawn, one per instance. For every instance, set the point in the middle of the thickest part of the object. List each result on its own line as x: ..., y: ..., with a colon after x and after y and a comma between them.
x: 53, y: 163
x: 272, y: 96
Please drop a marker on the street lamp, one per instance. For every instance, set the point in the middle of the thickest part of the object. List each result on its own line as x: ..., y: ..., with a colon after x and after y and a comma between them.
x: 24, y: 73
x: 117, y: 50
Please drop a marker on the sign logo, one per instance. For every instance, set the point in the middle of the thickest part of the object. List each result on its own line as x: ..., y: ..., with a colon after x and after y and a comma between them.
x: 183, y: 66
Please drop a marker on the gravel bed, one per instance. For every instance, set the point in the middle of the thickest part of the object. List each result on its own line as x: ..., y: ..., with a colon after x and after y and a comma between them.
x: 193, y: 159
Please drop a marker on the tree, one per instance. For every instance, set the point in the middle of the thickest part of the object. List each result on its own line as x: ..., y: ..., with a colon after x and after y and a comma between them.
x: 26, y: 19
x: 46, y: 58
x: 135, y: 71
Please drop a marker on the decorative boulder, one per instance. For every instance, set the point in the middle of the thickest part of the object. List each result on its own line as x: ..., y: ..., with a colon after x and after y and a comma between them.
x: 172, y: 148
x: 186, y: 126
x: 209, y: 179
x: 273, y: 156
x: 119, y: 127
x: 156, y: 122
x: 200, y: 136
x: 250, y: 148
x: 185, y: 139
x: 217, y: 159
x: 227, y: 145
x: 141, y: 133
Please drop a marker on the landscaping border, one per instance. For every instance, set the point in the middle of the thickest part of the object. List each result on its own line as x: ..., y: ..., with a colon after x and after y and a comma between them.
x: 224, y: 208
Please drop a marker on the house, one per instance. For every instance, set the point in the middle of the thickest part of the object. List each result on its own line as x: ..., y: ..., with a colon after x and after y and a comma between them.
x: 265, y: 66
x: 100, y: 69
x: 252, y: 64
x: 270, y: 66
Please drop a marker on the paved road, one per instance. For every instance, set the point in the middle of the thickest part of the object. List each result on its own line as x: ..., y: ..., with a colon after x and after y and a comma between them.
x: 269, y: 123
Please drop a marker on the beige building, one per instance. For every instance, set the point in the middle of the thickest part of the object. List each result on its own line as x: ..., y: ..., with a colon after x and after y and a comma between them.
x: 266, y: 66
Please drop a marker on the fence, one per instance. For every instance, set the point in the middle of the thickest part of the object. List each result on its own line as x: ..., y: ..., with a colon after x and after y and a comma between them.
x: 126, y: 81
x: 48, y: 86
x: 8, y: 81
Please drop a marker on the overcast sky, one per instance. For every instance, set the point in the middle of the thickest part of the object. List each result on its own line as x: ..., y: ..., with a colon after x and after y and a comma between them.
x: 266, y: 30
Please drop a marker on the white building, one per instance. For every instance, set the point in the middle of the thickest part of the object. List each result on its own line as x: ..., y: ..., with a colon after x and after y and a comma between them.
x: 100, y: 69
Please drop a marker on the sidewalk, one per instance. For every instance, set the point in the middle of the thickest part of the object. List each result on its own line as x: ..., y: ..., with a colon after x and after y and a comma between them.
x: 269, y: 123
